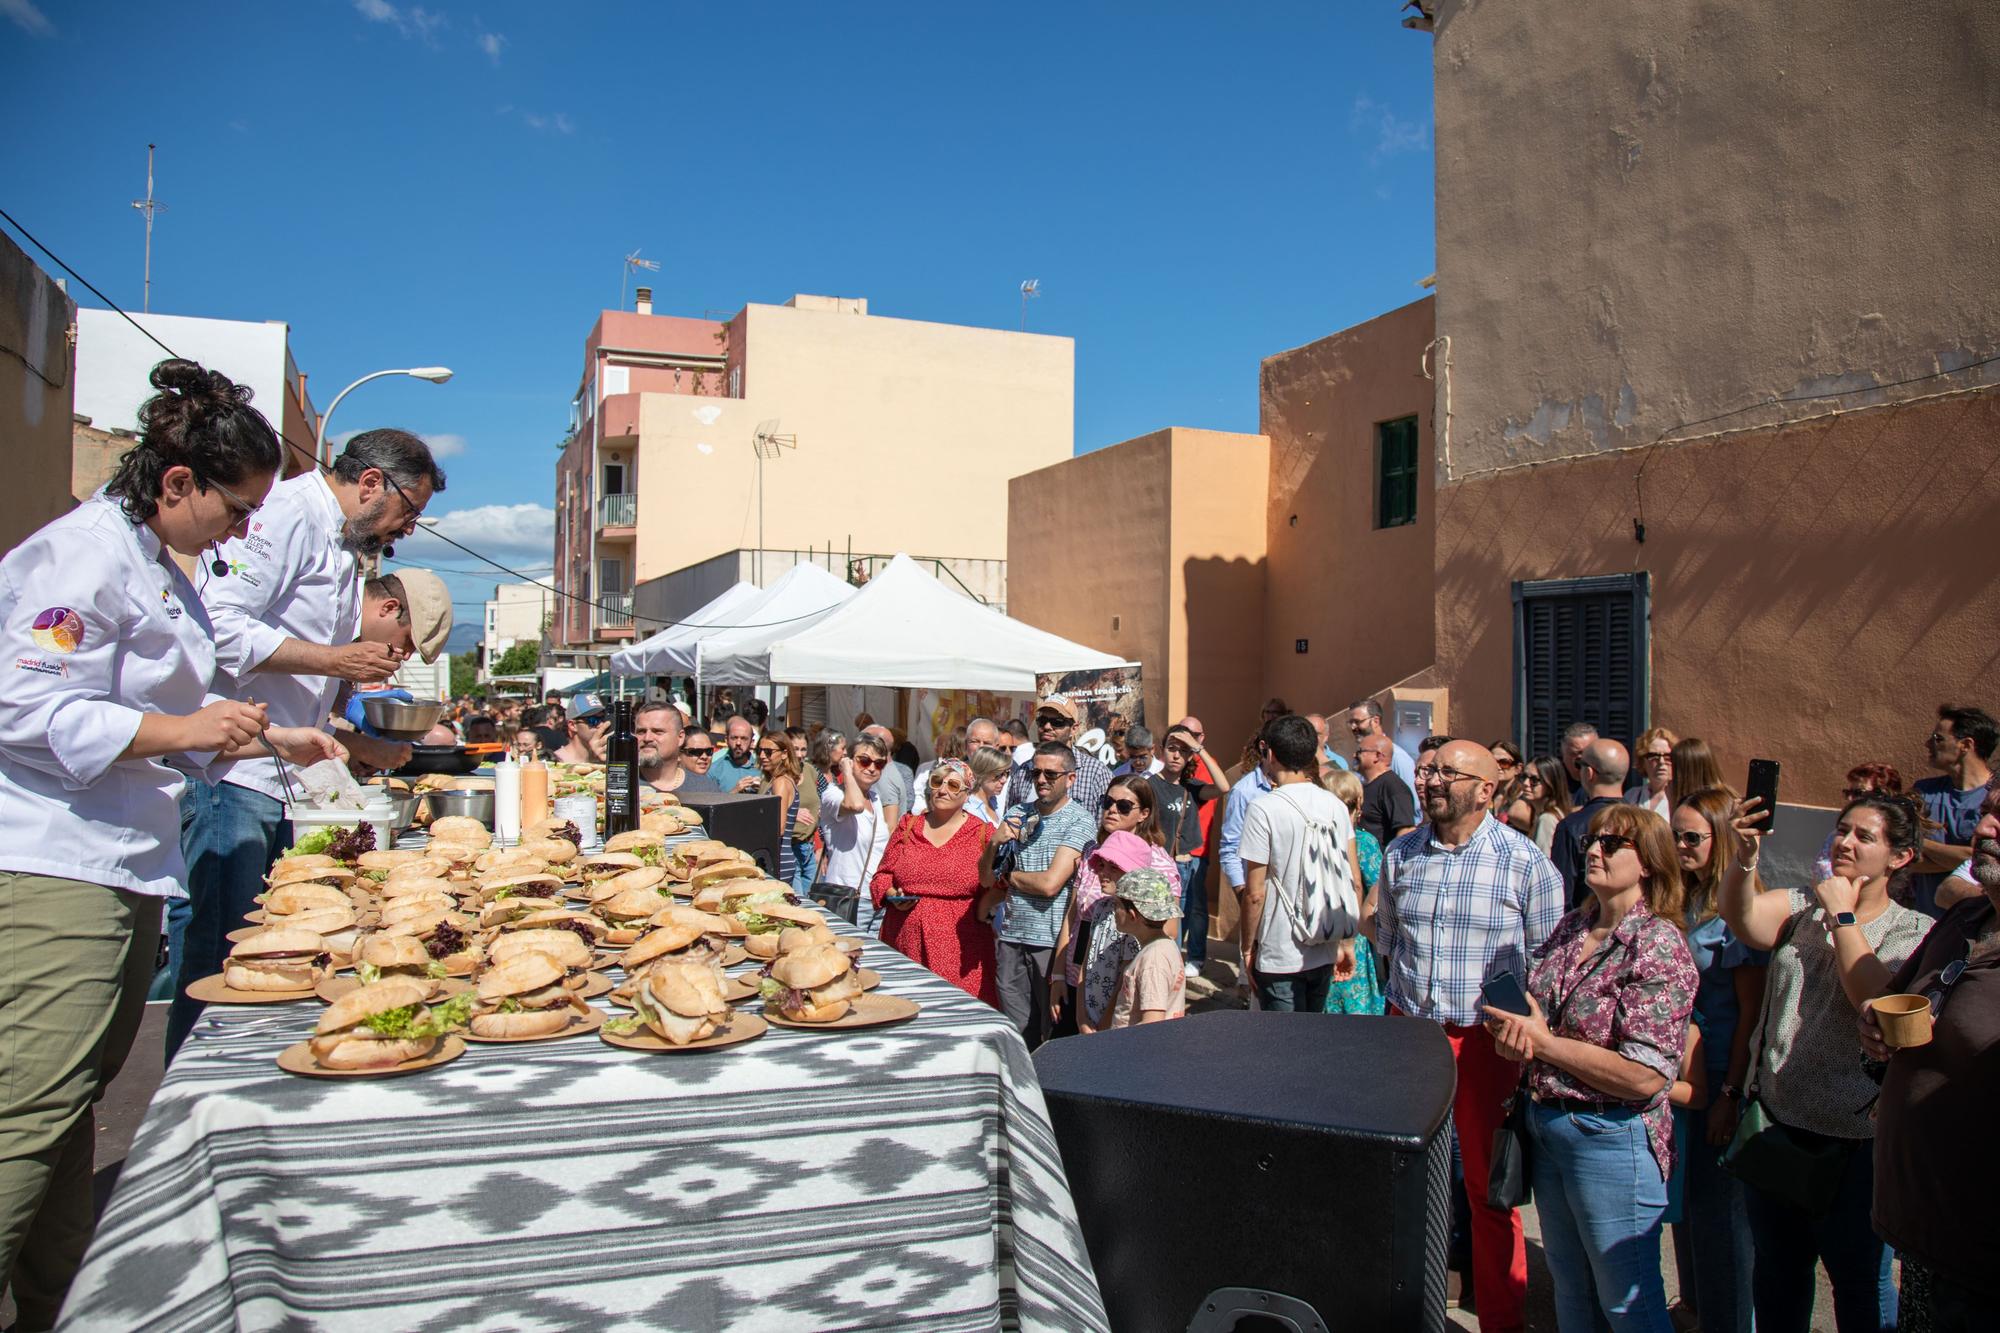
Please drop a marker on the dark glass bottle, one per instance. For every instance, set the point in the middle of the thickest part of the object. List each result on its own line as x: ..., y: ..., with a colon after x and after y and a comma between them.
x: 621, y: 772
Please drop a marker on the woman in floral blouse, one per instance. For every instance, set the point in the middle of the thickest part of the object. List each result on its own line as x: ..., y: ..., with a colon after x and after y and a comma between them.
x: 1611, y: 991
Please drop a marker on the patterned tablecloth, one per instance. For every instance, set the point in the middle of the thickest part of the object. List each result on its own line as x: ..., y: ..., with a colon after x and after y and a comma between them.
x: 902, y: 1177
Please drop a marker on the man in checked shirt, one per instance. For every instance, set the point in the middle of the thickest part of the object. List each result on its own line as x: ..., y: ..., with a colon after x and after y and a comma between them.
x: 1464, y: 897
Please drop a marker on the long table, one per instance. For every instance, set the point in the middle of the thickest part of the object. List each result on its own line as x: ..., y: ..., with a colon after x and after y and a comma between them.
x: 902, y: 1177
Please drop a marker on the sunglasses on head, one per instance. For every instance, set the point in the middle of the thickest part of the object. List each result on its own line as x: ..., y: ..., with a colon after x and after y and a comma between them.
x: 1612, y: 843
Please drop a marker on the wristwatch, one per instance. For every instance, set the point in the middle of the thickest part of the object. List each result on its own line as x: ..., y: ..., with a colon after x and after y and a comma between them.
x: 1732, y: 1092
x: 1843, y: 919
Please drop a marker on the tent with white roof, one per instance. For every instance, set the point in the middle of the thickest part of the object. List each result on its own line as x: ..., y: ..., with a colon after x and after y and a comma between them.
x: 639, y: 659
x: 806, y: 595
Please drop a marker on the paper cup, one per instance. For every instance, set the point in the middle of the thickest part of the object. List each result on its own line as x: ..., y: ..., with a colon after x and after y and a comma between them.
x: 1905, y: 1020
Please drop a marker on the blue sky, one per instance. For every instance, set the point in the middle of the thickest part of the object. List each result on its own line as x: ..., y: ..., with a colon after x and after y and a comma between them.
x: 1195, y: 186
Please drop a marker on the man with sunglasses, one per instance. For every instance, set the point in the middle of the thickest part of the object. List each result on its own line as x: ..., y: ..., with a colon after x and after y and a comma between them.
x: 289, y: 630
x: 1934, y: 1179
x: 1056, y: 722
x: 1603, y: 765
x: 1462, y: 898
x: 1960, y: 747
x: 1045, y: 839
x: 851, y: 823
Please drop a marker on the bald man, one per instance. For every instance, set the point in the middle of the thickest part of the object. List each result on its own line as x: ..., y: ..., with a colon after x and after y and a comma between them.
x: 1601, y: 767
x: 1462, y: 898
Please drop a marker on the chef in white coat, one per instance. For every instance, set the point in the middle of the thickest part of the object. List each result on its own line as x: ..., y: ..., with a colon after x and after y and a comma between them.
x: 107, y: 655
x: 291, y: 627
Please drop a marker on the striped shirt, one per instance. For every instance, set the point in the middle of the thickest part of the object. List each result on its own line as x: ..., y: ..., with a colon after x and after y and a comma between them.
x: 1448, y: 918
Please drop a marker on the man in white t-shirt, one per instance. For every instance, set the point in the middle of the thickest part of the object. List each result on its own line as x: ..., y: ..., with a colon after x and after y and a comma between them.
x: 1274, y: 849
x: 850, y: 821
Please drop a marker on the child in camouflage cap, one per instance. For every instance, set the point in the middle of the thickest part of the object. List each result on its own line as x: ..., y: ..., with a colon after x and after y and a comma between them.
x: 1153, y: 986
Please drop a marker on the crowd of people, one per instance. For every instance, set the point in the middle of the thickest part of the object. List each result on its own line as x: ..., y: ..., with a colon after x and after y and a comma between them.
x: 1681, y: 1014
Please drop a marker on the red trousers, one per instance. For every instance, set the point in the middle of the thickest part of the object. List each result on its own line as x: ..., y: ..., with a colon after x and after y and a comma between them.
x: 1499, y: 1249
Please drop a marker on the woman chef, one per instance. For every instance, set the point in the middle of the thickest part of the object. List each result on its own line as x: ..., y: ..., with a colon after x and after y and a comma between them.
x: 105, y: 658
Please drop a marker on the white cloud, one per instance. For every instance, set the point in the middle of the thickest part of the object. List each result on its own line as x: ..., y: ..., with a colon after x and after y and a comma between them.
x: 490, y: 43
x: 519, y: 535
x: 445, y: 446
x: 29, y: 18
x: 416, y: 21
x: 1393, y: 134
x: 539, y: 121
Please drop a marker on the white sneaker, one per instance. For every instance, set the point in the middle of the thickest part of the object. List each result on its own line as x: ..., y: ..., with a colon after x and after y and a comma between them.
x: 1191, y: 970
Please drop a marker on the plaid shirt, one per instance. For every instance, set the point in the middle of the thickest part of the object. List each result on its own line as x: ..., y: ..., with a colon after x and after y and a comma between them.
x: 1447, y: 918
x: 1087, y: 789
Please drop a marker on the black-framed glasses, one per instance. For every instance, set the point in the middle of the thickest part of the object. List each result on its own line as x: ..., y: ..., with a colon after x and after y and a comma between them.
x: 1612, y: 843
x: 769, y: 750
x: 1122, y: 806
x: 1048, y: 774
x: 1438, y: 773
x: 860, y: 762
x: 1656, y: 757
x: 1052, y: 720
x: 1939, y: 993
x: 697, y: 751
x: 1692, y: 840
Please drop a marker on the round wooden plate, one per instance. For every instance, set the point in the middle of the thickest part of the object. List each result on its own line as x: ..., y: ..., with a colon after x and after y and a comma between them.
x: 211, y: 990
x: 597, y: 984
x: 739, y: 1028
x: 865, y: 1011
x: 299, y: 1059
x: 733, y: 989
x: 584, y: 1023
x: 334, y: 987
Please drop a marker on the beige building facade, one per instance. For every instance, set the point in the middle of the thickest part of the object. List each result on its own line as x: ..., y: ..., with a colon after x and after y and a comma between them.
x: 37, y: 322
x: 876, y: 434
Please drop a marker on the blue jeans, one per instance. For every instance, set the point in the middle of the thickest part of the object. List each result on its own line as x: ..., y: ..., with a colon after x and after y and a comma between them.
x: 805, y: 857
x: 1601, y: 1197
x: 1294, y: 992
x: 1717, y: 1231
x: 1790, y: 1241
x: 1194, y: 911
x: 229, y: 835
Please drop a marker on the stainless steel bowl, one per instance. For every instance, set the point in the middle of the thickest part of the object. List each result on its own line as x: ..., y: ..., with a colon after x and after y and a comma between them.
x: 405, y: 806
x: 399, y: 721
x: 477, y: 804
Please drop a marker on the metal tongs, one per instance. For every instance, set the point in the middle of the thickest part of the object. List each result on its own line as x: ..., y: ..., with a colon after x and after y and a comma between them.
x: 284, y: 775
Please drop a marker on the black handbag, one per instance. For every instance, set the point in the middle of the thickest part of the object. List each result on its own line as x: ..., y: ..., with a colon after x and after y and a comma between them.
x: 1798, y: 1166
x: 842, y: 902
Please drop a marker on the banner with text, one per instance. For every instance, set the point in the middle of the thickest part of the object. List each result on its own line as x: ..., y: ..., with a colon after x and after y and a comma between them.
x: 1110, y: 700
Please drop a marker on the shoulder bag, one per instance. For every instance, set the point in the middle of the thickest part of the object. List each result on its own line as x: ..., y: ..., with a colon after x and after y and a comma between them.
x: 1509, y: 1181
x: 1801, y: 1168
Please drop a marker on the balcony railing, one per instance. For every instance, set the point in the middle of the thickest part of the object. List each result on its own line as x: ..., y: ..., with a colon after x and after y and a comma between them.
x: 615, y: 611
x: 617, y: 511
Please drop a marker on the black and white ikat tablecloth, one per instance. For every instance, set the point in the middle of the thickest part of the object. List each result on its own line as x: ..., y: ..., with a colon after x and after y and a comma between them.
x: 903, y: 1178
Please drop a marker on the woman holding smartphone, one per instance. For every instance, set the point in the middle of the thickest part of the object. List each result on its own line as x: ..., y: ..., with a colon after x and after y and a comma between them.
x: 927, y: 889
x: 1610, y: 993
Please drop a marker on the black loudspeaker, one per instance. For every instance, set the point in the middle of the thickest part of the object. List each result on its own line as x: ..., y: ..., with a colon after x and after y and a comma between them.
x: 1285, y: 1173
x: 746, y: 822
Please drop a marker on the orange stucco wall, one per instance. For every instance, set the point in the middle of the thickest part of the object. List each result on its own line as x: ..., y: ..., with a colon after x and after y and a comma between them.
x: 1165, y: 535
x: 1818, y: 589
x: 1359, y: 595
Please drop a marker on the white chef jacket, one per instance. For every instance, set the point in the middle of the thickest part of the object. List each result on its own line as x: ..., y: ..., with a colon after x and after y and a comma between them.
x: 98, y: 626
x: 289, y: 578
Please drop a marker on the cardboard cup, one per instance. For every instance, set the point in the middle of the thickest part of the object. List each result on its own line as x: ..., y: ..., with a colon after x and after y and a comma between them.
x: 1905, y: 1020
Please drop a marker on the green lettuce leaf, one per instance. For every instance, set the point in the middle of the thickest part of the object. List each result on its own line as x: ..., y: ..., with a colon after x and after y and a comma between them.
x: 622, y: 1027
x: 770, y: 989
x: 369, y: 974
x: 316, y: 842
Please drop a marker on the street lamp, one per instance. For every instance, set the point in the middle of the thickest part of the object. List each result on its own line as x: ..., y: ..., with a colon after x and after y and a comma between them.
x: 435, y: 374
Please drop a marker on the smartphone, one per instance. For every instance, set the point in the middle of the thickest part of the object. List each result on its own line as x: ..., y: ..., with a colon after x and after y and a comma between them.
x: 1503, y: 991
x: 1763, y: 784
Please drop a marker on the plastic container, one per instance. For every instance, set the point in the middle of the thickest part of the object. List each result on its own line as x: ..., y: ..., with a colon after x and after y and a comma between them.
x: 582, y: 812
x: 534, y: 792
x: 507, y: 801
x: 379, y: 812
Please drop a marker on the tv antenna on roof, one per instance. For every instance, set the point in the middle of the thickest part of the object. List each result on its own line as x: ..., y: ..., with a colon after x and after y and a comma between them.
x: 632, y: 261
x: 1031, y: 288
x: 148, y: 206
x: 766, y: 443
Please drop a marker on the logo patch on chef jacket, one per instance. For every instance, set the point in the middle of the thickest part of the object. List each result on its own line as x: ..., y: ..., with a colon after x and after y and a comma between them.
x: 57, y: 630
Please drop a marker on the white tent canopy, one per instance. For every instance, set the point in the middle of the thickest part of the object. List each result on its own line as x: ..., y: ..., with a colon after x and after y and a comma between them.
x: 805, y: 596
x: 905, y: 628
x: 644, y: 658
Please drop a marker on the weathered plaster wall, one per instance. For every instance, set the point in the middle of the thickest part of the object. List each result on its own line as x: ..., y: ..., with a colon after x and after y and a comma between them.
x: 1652, y: 211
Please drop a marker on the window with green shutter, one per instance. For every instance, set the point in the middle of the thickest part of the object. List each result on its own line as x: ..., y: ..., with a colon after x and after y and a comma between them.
x: 1395, y: 472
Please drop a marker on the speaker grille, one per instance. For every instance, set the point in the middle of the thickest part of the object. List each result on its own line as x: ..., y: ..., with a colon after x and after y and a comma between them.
x: 1437, y: 1226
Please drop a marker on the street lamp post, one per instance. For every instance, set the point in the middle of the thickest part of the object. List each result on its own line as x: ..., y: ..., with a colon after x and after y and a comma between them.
x: 435, y: 374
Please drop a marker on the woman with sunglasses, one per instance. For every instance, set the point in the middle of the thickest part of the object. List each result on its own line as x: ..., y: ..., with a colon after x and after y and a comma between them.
x: 1609, y: 992
x: 1712, y: 1244
x: 781, y: 779
x: 1091, y: 948
x: 928, y: 886
x: 1655, y: 756
x: 1507, y: 759
x: 991, y: 768
x: 1833, y: 949
x: 1541, y: 800
x: 112, y: 655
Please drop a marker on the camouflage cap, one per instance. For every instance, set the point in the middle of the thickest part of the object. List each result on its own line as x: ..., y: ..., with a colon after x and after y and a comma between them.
x: 1151, y: 893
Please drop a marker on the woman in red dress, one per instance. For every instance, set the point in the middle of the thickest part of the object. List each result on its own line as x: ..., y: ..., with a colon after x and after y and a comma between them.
x: 931, y: 871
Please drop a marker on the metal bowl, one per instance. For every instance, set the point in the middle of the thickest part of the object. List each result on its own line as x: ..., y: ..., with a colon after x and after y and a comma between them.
x: 399, y: 721
x: 477, y: 804
x: 405, y: 806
